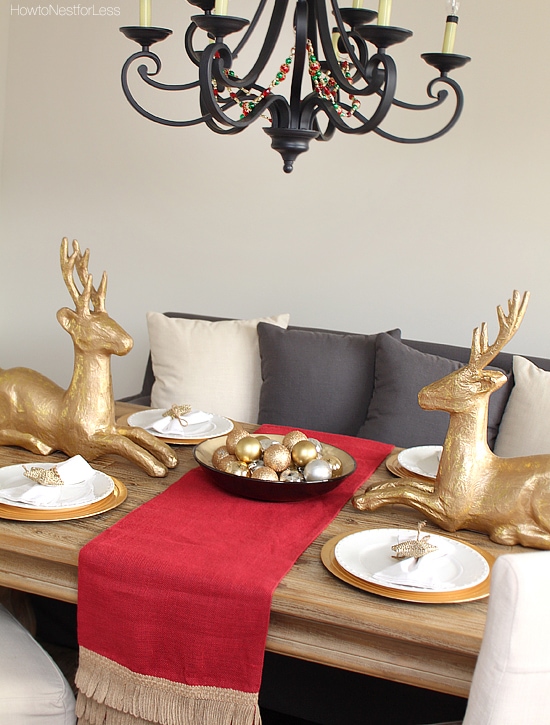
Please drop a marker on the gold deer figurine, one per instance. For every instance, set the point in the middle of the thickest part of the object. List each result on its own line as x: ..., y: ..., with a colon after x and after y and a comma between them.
x: 38, y: 415
x: 507, y: 498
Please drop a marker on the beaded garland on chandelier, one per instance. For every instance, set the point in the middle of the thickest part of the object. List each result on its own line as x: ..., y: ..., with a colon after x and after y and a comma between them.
x: 355, y: 64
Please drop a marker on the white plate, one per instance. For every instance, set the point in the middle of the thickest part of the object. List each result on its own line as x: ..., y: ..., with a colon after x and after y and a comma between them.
x: 93, y: 489
x: 422, y: 460
x: 366, y: 554
x: 216, y: 426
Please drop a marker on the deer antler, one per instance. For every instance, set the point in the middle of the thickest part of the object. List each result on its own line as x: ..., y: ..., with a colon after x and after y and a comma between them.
x: 80, y: 261
x: 97, y: 296
x: 482, y: 353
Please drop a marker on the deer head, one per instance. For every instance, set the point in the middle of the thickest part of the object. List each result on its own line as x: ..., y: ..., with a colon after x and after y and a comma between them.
x: 88, y: 324
x: 458, y: 392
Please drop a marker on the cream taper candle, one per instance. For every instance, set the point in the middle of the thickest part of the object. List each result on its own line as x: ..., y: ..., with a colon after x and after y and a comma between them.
x: 357, y: 3
x: 450, y: 34
x: 145, y: 13
x: 384, y: 12
x: 450, y: 26
x: 220, y: 7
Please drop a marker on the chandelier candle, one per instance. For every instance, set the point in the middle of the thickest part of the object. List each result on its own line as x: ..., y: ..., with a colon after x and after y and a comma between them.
x: 220, y: 8
x: 384, y: 12
x: 357, y: 3
x: 145, y: 13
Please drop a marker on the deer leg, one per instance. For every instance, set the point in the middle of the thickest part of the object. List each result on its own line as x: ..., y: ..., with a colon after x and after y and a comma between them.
x: 24, y: 440
x: 408, y: 492
x: 114, y: 443
x: 524, y: 534
x: 144, y: 439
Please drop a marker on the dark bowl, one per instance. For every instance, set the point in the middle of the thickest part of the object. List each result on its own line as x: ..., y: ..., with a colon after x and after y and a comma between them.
x: 270, y: 490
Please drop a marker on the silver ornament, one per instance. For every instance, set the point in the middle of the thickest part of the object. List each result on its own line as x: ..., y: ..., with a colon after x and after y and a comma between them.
x: 317, y: 470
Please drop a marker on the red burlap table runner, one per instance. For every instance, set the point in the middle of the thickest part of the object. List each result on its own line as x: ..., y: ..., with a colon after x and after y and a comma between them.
x: 174, y: 599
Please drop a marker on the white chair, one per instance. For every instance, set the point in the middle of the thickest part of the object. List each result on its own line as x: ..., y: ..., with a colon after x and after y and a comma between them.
x: 33, y: 690
x: 511, y: 682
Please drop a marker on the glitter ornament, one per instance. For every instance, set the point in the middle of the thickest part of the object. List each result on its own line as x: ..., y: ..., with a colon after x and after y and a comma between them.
x: 234, y: 437
x: 277, y: 457
x: 317, y: 470
x: 248, y: 449
x: 224, y: 463
x: 263, y: 473
x: 303, y: 452
x: 218, y: 455
x: 293, y: 437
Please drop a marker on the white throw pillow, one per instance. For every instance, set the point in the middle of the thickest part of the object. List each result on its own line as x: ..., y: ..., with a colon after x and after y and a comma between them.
x: 525, y: 426
x: 213, y: 366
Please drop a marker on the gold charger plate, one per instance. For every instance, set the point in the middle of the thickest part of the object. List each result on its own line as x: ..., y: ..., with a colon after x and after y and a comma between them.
x: 479, y: 591
x: 393, y: 466
x: 22, y: 513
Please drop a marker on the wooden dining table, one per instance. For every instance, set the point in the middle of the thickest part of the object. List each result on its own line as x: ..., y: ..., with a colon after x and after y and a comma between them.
x: 314, y: 615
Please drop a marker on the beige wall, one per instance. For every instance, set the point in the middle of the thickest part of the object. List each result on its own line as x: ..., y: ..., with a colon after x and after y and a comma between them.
x: 364, y: 235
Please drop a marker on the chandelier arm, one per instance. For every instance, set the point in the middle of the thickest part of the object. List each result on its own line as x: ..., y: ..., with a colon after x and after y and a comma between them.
x: 363, y: 69
x: 145, y: 75
x: 439, y: 96
x: 312, y: 104
x: 250, y: 28
x: 192, y: 54
x: 300, y: 55
x: 272, y: 35
x: 208, y: 69
x: 452, y: 121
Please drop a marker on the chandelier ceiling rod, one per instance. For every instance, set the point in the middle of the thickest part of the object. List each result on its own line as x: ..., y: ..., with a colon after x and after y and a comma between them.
x: 346, y: 60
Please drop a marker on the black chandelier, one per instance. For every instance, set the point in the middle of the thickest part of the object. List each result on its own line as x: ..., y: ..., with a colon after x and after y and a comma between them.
x: 346, y: 60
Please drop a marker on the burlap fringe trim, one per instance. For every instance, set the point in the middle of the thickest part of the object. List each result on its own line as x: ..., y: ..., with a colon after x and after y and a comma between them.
x: 110, y: 694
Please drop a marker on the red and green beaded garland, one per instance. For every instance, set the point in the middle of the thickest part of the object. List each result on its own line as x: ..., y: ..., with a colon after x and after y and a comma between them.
x: 324, y: 85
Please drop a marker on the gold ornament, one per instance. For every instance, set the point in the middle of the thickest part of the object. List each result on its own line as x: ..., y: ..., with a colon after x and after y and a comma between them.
x: 235, y: 468
x: 507, y: 498
x: 218, y: 455
x: 303, y: 452
x: 263, y: 473
x: 293, y: 437
x: 234, y: 437
x: 225, y: 463
x: 277, y: 457
x: 38, y: 415
x: 248, y: 449
x: 335, y: 464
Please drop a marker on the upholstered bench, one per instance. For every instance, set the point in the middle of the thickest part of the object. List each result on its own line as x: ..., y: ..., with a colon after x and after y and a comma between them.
x: 32, y: 687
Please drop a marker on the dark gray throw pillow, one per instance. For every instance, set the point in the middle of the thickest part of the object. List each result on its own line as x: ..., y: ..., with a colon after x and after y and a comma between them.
x: 395, y: 415
x: 316, y: 379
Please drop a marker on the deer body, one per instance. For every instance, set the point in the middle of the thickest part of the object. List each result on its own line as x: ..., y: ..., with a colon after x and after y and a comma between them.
x: 40, y: 416
x: 507, y: 498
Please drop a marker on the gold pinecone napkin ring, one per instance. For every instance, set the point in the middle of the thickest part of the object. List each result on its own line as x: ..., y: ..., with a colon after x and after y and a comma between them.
x: 414, y: 547
x: 44, y: 476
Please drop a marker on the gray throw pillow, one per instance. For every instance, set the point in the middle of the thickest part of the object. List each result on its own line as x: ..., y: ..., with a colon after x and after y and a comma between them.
x: 316, y: 379
x: 395, y: 415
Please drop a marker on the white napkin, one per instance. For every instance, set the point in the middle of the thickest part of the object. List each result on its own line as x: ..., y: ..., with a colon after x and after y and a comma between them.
x: 172, y: 426
x: 74, y: 472
x: 422, y: 573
